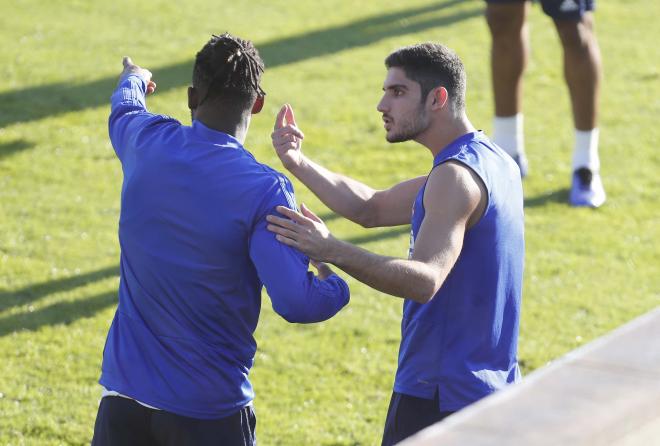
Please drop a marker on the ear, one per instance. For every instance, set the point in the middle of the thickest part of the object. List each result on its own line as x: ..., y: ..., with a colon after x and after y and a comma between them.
x: 193, y: 98
x: 258, y: 104
x: 439, y: 98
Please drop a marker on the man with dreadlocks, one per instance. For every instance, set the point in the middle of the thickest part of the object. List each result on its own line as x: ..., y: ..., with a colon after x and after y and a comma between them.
x: 195, y: 253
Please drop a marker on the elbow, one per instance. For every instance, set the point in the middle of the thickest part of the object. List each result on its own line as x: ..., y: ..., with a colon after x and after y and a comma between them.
x: 315, y: 301
x: 291, y: 307
x: 291, y: 317
x: 368, y: 222
x: 422, y: 298
x: 425, y: 292
x: 303, y: 317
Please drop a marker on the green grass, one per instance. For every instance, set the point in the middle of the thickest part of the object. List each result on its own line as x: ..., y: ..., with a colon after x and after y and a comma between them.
x: 587, y: 272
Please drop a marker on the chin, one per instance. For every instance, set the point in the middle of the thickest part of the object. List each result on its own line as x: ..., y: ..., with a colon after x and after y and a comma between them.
x: 396, y: 138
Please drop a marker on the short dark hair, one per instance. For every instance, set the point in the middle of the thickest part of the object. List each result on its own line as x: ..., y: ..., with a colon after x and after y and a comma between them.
x: 432, y: 65
x: 229, y: 68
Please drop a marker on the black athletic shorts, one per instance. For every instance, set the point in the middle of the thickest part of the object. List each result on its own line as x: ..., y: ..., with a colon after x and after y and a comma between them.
x: 124, y: 422
x: 408, y: 415
x: 561, y: 9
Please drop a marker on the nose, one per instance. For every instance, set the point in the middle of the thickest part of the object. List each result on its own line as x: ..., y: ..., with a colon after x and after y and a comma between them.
x: 382, y: 105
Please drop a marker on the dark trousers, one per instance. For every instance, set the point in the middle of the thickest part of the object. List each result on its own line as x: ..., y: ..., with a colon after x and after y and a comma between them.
x: 124, y: 422
x: 408, y: 415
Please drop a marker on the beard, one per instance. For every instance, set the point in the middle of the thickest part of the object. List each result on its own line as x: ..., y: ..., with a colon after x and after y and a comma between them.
x: 411, y: 127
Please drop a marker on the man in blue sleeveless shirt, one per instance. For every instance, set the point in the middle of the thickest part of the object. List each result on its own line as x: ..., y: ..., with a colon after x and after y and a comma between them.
x: 195, y: 253
x: 463, y: 277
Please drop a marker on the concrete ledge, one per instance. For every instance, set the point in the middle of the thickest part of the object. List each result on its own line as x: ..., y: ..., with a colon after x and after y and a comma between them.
x: 604, y: 393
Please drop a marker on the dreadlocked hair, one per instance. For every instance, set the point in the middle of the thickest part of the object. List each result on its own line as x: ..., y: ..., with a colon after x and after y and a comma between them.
x: 229, y: 68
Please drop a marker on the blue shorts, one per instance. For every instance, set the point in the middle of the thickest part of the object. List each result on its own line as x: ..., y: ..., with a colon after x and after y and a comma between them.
x: 561, y: 9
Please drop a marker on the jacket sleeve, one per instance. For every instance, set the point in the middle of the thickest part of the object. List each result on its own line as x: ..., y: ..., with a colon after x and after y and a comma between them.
x: 296, y: 293
x: 129, y: 120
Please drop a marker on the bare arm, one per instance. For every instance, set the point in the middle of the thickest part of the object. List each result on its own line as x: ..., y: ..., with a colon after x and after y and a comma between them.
x: 347, y: 197
x: 453, y: 201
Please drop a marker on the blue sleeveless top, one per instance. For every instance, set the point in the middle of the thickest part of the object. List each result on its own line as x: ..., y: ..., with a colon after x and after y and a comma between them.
x: 463, y: 343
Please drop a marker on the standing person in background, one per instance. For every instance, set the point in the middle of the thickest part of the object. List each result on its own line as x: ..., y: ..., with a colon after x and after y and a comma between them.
x: 195, y: 253
x: 462, y: 280
x: 582, y: 70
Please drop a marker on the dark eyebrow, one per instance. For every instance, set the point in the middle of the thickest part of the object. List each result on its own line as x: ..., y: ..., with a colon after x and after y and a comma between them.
x: 395, y: 86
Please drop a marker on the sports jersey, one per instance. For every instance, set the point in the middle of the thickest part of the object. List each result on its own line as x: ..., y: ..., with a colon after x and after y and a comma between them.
x: 462, y: 344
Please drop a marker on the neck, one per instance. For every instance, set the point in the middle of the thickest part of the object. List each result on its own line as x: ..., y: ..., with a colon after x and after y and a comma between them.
x: 442, y: 132
x: 236, y: 126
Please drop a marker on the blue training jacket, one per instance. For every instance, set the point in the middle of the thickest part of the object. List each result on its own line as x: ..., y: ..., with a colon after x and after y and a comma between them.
x: 195, y: 252
x: 462, y: 344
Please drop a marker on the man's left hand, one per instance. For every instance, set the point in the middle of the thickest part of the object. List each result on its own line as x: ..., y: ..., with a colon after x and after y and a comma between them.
x: 304, y: 231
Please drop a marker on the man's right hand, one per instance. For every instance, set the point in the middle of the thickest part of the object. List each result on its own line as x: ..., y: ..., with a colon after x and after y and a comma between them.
x: 131, y: 68
x: 287, y: 138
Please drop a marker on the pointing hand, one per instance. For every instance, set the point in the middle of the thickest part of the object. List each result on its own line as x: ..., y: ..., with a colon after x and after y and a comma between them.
x: 144, y: 74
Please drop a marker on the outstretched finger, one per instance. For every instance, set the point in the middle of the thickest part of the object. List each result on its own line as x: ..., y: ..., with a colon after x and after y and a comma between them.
x: 286, y: 241
x: 288, y: 115
x: 309, y: 214
x: 279, y: 119
x: 282, y: 231
x: 283, y: 222
x: 293, y: 215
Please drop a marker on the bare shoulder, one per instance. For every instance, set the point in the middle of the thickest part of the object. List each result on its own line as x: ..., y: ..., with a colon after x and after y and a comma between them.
x: 454, y: 188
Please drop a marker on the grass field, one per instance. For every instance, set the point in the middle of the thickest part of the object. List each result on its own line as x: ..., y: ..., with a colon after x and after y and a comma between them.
x: 587, y: 271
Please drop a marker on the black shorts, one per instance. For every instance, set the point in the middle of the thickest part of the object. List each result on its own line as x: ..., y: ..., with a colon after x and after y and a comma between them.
x: 124, y: 422
x: 408, y: 415
x: 561, y: 9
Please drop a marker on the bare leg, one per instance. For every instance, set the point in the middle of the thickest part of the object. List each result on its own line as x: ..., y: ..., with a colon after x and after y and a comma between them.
x: 509, y: 54
x: 582, y: 68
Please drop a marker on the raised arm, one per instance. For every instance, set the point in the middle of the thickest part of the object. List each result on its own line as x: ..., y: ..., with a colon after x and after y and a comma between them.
x: 454, y: 200
x: 347, y: 197
x: 128, y: 105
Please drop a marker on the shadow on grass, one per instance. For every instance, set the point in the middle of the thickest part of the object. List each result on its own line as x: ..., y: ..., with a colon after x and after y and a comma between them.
x: 59, y: 313
x: 70, y: 311
x: 10, y: 148
x: 39, y: 102
x: 557, y: 196
x: 379, y: 235
x: 33, y: 293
